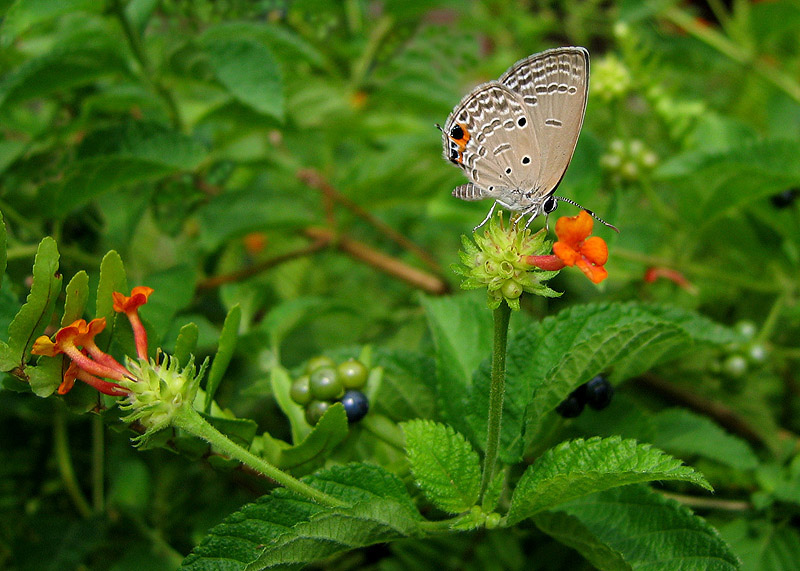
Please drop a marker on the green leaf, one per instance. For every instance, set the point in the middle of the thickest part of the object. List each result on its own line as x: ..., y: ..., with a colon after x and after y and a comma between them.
x: 462, y: 332
x: 123, y: 155
x: 284, y: 530
x: 112, y: 278
x: 227, y: 344
x: 186, y: 343
x: 35, y: 315
x: 249, y: 72
x: 684, y: 433
x: 287, y: 315
x: 580, y: 467
x: 46, y: 376
x: 331, y: 429
x: 281, y: 384
x: 636, y: 528
x: 763, y: 545
x: 444, y: 465
x: 77, y: 294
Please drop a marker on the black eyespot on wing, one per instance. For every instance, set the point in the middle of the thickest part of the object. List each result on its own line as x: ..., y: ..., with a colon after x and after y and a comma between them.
x: 508, y: 170
x: 526, y: 160
x: 491, y: 188
x: 457, y: 132
x: 522, y: 121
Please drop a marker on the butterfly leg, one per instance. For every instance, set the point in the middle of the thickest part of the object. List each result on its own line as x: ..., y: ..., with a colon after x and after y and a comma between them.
x: 488, y: 216
x: 534, y: 214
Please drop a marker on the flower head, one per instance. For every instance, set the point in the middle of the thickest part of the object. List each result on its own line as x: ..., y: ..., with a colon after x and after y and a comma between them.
x: 496, y: 261
x: 576, y: 248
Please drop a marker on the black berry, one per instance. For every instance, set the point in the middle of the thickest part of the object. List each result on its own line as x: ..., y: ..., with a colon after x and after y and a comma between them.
x: 784, y: 199
x: 570, y: 407
x: 599, y: 393
x: 355, y: 405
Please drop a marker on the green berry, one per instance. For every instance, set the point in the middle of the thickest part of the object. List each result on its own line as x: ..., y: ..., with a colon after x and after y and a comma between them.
x: 320, y: 361
x: 511, y: 289
x: 301, y: 391
x: 315, y: 410
x: 353, y: 374
x: 325, y: 384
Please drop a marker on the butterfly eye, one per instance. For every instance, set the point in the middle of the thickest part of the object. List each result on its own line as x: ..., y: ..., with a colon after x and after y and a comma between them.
x: 550, y: 204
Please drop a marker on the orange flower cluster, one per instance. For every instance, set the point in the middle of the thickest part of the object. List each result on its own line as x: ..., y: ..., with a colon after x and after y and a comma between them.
x: 89, y: 362
x: 575, y: 247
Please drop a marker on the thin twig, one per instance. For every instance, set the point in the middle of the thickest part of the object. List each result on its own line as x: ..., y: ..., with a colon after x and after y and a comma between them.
x: 709, y: 503
x: 315, y: 180
x: 382, y: 262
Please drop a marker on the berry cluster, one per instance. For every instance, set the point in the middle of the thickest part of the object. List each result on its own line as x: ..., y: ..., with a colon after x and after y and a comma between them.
x: 596, y: 393
x: 327, y: 382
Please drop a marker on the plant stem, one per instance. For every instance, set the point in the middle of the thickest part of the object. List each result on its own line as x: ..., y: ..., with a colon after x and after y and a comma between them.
x: 189, y: 420
x: 497, y: 390
x: 61, y: 442
x: 98, y: 463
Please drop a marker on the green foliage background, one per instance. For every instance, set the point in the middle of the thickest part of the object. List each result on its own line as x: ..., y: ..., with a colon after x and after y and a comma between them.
x: 282, y: 156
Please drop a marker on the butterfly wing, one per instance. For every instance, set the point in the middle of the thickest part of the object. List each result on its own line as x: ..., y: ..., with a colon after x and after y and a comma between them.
x: 553, y: 86
x: 490, y: 136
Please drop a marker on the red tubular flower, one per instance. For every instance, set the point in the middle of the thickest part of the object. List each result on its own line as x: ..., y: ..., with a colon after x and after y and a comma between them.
x: 130, y: 306
x: 576, y: 248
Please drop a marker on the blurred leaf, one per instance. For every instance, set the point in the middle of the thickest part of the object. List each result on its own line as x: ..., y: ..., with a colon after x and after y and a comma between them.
x: 3, y: 248
x: 763, y: 545
x: 608, y: 529
x: 120, y: 156
x: 289, y: 314
x: 685, y: 433
x: 580, y: 467
x: 35, y: 315
x: 227, y: 345
x: 248, y: 70
x: 444, y: 465
x: 10, y: 151
x: 25, y: 14
x: 407, y: 387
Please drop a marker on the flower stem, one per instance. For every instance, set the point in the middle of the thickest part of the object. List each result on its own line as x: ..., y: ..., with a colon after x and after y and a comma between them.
x: 189, y: 420
x: 61, y: 442
x: 497, y: 390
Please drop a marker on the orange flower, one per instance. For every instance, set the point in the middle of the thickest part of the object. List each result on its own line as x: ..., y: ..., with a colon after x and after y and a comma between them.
x: 130, y: 306
x: 576, y: 248
x: 75, y: 341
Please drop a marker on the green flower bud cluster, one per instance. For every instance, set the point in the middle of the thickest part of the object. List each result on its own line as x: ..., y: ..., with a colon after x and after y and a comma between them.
x: 158, y: 392
x: 739, y: 358
x: 497, y: 261
x: 626, y: 161
x: 326, y: 382
x: 611, y: 79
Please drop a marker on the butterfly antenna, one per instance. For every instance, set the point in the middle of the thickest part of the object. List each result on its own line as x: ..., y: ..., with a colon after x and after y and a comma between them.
x: 438, y: 127
x: 592, y: 214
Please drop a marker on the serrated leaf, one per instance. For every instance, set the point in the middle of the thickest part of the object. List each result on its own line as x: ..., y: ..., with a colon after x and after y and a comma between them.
x: 77, y: 294
x: 249, y: 72
x: 572, y: 532
x: 281, y: 384
x: 112, y: 278
x: 186, y: 343
x: 648, y: 531
x: 34, y: 316
x: 331, y: 429
x: 462, y: 332
x: 227, y: 344
x: 444, y: 465
x: 580, y: 467
x: 284, y: 529
x: 683, y: 432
